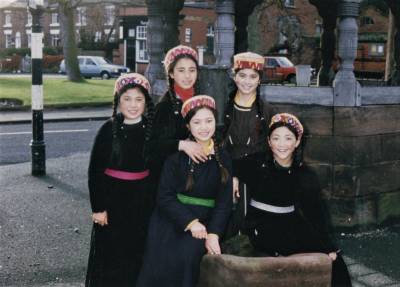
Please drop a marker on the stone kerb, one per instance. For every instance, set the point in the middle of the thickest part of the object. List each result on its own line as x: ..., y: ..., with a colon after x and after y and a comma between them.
x: 300, y: 270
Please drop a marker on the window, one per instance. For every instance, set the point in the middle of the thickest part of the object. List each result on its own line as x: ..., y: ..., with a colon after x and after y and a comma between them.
x: 318, y: 27
x: 54, y: 19
x: 7, y: 19
x: 112, y: 36
x: 9, y: 41
x: 18, y: 40
x: 289, y: 3
x: 55, y: 40
x: 29, y: 37
x: 81, y: 16
x: 141, y: 44
x: 210, y: 39
x: 366, y: 20
x: 272, y: 63
x: 109, y: 13
x: 81, y: 60
x: 29, y: 20
x: 377, y: 49
x: 97, y: 36
x: 90, y: 62
x: 188, y: 35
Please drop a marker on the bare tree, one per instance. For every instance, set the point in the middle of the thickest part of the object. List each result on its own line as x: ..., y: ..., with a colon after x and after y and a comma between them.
x: 66, y: 10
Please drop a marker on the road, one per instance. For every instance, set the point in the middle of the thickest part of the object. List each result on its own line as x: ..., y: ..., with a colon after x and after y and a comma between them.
x: 61, y: 139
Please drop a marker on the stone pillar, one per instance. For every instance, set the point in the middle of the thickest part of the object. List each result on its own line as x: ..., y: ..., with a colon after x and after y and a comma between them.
x: 225, y: 32
x: 328, y: 44
x: 162, y: 34
x: 155, y: 40
x: 171, y: 22
x: 346, y: 87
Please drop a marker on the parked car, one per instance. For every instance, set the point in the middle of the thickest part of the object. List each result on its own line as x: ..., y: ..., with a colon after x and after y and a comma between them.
x: 94, y: 66
x: 279, y: 69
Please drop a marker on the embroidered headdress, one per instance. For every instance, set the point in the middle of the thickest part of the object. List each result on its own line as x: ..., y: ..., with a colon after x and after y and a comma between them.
x: 248, y: 60
x: 176, y: 51
x: 197, y: 101
x: 131, y: 78
x: 289, y: 119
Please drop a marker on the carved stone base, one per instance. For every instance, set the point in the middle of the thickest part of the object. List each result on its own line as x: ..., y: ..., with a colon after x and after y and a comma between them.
x: 299, y: 270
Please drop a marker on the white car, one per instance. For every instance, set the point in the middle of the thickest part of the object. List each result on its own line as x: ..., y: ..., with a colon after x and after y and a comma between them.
x: 95, y: 66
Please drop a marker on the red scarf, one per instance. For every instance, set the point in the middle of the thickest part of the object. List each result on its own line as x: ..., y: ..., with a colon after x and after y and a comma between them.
x: 184, y: 94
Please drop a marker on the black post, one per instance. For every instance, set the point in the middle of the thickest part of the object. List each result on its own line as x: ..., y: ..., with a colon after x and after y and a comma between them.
x: 38, y: 147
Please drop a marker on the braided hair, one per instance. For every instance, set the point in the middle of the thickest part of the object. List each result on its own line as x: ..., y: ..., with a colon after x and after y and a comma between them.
x: 117, y: 120
x: 224, y: 174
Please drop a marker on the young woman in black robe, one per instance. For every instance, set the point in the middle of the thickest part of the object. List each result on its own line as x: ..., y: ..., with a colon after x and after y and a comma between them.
x: 171, y: 134
x: 192, y: 206
x: 285, y: 213
x: 245, y: 124
x: 118, y: 186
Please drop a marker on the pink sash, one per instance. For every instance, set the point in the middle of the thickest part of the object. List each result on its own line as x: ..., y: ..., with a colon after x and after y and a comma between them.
x: 126, y: 175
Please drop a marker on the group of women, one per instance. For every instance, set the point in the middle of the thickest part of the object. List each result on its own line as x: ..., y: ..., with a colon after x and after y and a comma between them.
x: 161, y: 184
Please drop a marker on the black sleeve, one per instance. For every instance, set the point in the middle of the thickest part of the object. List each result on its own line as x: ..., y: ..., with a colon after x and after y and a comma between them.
x: 99, y: 160
x: 163, y: 141
x: 223, y: 202
x: 312, y: 206
x: 167, y: 199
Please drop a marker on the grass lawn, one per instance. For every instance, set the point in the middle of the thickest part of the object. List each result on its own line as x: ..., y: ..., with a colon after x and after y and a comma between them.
x: 59, y: 91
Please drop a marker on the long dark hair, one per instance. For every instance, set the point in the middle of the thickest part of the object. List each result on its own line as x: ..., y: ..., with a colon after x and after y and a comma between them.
x: 224, y: 174
x: 262, y: 124
x: 117, y: 120
x: 298, y: 152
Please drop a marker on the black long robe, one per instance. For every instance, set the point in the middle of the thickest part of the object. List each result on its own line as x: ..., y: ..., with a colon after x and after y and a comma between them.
x: 116, y: 250
x: 172, y: 257
x: 303, y: 230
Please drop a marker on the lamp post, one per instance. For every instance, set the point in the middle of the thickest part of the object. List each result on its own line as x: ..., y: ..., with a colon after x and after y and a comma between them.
x: 38, y: 147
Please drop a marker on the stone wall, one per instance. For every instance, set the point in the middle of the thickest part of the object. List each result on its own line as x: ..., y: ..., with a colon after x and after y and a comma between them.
x: 356, y: 153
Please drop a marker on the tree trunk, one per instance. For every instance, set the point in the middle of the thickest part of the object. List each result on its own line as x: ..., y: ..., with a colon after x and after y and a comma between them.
x: 66, y: 12
x: 394, y: 76
x: 390, y: 48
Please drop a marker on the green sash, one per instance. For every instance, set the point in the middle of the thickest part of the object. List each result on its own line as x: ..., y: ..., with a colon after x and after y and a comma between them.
x: 207, y: 202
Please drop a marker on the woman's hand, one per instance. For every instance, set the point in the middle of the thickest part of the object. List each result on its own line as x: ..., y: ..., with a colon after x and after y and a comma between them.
x: 333, y: 255
x: 100, y: 218
x: 235, y: 184
x: 198, y: 230
x: 212, y: 244
x: 193, y: 149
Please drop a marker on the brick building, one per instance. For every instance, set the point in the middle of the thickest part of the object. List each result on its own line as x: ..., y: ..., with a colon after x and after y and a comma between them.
x: 196, y: 29
x: 121, y: 27
x: 293, y: 31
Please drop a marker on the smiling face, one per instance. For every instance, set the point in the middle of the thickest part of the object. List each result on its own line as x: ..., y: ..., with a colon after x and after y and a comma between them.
x: 283, y: 143
x: 132, y: 104
x: 184, y: 73
x: 247, y: 81
x: 202, y: 125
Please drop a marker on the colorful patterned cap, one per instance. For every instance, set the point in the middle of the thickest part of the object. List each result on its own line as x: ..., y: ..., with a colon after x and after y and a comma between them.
x: 290, y: 120
x: 131, y: 78
x: 197, y: 101
x: 176, y: 51
x: 248, y: 60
